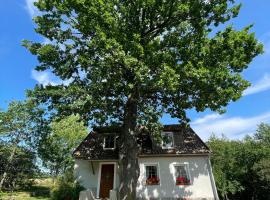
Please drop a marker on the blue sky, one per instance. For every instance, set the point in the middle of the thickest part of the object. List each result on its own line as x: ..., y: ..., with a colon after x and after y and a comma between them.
x: 241, y: 118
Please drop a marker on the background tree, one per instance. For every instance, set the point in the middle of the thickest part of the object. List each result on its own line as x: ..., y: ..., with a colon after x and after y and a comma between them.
x: 20, y: 125
x: 131, y: 61
x: 242, y: 168
x: 56, y: 149
x: 225, y: 166
x: 258, y: 163
x: 23, y: 169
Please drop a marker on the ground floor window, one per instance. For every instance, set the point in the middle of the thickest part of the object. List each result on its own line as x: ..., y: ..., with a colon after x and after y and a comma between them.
x: 181, y: 174
x: 152, y: 177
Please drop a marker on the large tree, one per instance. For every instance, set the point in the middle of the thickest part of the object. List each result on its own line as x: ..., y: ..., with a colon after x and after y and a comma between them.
x: 130, y: 61
x: 21, y: 127
x: 22, y: 170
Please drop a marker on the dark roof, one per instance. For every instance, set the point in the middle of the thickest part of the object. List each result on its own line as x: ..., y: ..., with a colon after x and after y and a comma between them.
x: 91, y: 148
x: 186, y: 141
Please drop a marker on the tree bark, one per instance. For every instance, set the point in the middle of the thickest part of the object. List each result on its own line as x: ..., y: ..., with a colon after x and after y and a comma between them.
x: 10, y: 159
x: 128, y: 152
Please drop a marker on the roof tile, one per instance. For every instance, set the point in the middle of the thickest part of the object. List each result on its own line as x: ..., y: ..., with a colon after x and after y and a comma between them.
x: 186, y: 141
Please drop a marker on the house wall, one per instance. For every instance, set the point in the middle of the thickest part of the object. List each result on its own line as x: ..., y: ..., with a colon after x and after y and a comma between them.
x: 200, y: 188
x: 85, y: 176
x: 199, y: 170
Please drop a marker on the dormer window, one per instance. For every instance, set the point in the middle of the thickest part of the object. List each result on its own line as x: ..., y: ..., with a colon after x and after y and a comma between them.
x: 109, y: 142
x: 167, y: 140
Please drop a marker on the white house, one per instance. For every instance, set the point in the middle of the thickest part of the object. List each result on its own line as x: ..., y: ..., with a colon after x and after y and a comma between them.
x: 179, y: 168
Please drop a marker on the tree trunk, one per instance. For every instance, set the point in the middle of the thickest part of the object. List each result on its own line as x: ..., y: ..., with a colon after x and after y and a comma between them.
x: 128, y: 153
x: 10, y: 159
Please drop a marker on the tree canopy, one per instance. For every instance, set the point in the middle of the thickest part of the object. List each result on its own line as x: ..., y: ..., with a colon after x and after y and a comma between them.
x: 242, y: 167
x: 19, y: 123
x: 22, y: 170
x: 56, y: 148
x: 21, y: 126
x: 166, y: 53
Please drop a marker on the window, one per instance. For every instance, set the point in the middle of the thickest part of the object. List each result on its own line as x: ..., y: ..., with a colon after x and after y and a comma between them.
x: 181, y: 174
x: 152, y: 177
x: 109, y: 142
x: 167, y: 140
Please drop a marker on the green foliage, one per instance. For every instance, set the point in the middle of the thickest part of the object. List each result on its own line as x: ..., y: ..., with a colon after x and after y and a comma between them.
x: 165, y: 54
x: 262, y: 133
x: 56, y: 149
x: 242, y: 168
x: 66, y: 188
x: 70, y: 131
x: 22, y: 122
x: 225, y: 165
x: 21, y: 127
x: 21, y: 171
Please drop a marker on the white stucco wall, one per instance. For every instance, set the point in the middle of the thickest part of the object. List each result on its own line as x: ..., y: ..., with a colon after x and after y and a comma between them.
x: 201, y: 187
x: 84, y: 174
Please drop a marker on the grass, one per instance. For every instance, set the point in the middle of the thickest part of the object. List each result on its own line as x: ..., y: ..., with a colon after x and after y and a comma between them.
x: 20, y: 196
x: 39, y: 191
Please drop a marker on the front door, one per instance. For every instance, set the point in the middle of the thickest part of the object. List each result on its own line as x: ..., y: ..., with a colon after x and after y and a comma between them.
x: 106, y: 180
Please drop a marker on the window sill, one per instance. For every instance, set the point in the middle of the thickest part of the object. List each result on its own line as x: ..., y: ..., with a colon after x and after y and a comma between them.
x: 108, y: 148
x: 187, y: 184
x: 152, y: 184
x: 183, y: 183
x: 168, y: 148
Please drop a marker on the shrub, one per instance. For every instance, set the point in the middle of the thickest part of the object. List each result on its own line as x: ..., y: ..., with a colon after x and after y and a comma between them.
x: 66, y: 188
x: 66, y: 191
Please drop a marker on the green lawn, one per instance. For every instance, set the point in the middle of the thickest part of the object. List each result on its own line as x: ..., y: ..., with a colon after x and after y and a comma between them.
x: 21, y: 196
x: 39, y: 191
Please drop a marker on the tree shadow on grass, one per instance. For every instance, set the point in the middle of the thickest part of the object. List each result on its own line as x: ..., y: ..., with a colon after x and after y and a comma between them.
x: 39, y: 191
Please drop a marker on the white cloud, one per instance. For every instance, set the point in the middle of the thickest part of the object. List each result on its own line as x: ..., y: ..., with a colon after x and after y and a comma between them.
x: 232, y: 127
x: 262, y: 61
x: 31, y: 9
x: 260, y: 86
x: 206, y: 118
x: 43, y: 78
x: 47, y: 78
x: 47, y: 41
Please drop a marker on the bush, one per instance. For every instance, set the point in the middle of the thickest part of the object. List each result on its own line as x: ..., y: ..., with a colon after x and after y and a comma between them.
x: 66, y: 191
x: 66, y: 188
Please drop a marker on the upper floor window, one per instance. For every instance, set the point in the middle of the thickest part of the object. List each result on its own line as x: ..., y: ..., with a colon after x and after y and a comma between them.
x: 109, y: 142
x: 167, y: 140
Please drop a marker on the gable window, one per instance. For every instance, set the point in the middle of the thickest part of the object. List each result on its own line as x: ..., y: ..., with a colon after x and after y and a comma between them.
x: 167, y: 140
x: 109, y: 142
x: 181, y: 174
x: 152, y: 177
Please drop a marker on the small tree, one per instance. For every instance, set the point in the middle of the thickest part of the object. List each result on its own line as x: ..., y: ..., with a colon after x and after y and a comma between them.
x: 56, y: 149
x: 131, y: 61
